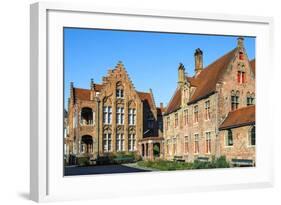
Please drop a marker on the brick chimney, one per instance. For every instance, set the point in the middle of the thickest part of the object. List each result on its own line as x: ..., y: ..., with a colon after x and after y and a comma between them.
x: 198, y: 56
x: 181, y: 75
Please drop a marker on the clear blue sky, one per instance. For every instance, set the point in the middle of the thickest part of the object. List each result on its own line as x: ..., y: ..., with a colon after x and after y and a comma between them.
x: 151, y: 58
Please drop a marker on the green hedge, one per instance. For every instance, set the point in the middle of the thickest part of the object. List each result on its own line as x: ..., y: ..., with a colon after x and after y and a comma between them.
x: 83, y: 161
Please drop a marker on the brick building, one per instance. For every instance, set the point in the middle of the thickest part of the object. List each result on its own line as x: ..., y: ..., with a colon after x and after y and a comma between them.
x: 213, y: 112
x: 210, y: 114
x: 113, y: 117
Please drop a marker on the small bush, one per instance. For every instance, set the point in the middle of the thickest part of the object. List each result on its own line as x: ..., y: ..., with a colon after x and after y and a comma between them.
x: 83, y: 161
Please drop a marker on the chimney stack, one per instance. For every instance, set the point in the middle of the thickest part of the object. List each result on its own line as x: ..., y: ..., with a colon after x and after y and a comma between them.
x: 198, y: 56
x: 181, y: 75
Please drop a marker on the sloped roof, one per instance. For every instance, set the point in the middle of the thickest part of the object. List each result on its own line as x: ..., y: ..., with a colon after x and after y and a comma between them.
x: 81, y: 94
x: 253, y: 65
x: 175, y: 102
x: 146, y: 97
x: 207, y: 79
x: 98, y: 87
x: 239, y: 118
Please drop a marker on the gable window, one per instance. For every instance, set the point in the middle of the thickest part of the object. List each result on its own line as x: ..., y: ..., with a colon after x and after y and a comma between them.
x: 186, y: 150
x: 107, y: 115
x: 132, y: 142
x: 208, y: 142
x: 119, y: 93
x: 196, y: 117
x: 132, y: 116
x: 196, y: 143
x: 234, y: 100
x: 176, y: 120
x: 241, y: 77
x: 252, y: 139
x: 229, y: 138
x: 107, y: 142
x: 120, y: 115
x: 185, y: 113
x: 207, y: 110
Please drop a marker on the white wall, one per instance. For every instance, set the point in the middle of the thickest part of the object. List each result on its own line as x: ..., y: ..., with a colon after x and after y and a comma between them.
x: 14, y: 100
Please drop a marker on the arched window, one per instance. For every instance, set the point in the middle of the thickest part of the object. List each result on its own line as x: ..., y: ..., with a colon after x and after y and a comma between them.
x: 86, y: 116
x: 252, y: 138
x: 229, y: 138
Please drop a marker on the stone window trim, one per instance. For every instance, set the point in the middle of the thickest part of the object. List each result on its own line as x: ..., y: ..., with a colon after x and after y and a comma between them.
x: 185, y: 114
x: 132, y: 116
x: 107, y: 142
x: 252, y: 136
x: 176, y: 119
x: 229, y: 139
x: 120, y: 115
x: 208, y: 142
x: 107, y: 114
x: 234, y: 100
x: 132, y: 143
x: 250, y: 98
x: 186, y: 144
x: 196, y: 144
x: 195, y: 114
x: 120, y: 142
x: 207, y: 110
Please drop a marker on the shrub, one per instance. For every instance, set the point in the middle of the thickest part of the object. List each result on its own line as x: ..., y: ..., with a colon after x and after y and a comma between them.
x: 83, y: 161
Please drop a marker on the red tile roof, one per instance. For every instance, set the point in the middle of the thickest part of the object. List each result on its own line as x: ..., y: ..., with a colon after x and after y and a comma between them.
x: 175, y: 102
x: 81, y: 94
x: 253, y: 65
x: 207, y: 79
x: 98, y: 87
x: 239, y: 118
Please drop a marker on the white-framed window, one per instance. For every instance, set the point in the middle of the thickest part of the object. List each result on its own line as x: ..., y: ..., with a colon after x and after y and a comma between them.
x: 207, y: 110
x: 208, y: 142
x: 120, y: 115
x: 107, y: 115
x: 107, y: 142
x: 196, y: 143
x: 229, y: 138
x: 132, y: 116
x: 119, y: 93
x: 132, y: 142
x: 120, y: 143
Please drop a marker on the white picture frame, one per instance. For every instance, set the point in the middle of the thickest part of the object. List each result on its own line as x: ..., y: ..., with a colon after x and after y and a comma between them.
x: 47, y: 182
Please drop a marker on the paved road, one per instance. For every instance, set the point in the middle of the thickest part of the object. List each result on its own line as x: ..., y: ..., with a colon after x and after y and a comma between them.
x: 100, y: 169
